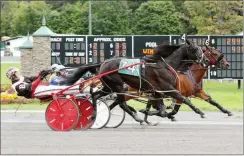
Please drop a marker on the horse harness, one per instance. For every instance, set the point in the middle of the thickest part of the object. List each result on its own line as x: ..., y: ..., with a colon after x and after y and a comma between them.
x: 150, y: 61
x: 196, y: 84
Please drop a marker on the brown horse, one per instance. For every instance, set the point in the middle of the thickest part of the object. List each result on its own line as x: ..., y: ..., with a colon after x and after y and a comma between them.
x: 191, y: 79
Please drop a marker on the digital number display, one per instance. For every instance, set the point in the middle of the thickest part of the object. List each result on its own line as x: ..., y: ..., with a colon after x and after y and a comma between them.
x: 199, y: 40
x: 101, y: 48
x: 79, y: 49
x: 231, y: 47
x: 68, y: 50
x: 144, y: 45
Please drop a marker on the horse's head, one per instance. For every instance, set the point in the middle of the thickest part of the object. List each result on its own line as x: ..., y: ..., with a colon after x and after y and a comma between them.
x: 195, y: 53
x: 216, y: 58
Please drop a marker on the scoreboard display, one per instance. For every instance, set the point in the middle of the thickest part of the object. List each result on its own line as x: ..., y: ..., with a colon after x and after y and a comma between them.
x: 77, y: 50
x: 68, y: 50
x: 231, y: 47
x: 199, y: 40
x: 144, y: 45
x: 101, y: 48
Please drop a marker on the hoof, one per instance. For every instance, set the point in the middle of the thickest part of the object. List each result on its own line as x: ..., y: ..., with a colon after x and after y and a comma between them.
x: 229, y: 114
x: 163, y: 115
x: 152, y: 124
x: 173, y: 119
x: 136, y: 117
x: 143, y: 123
x: 203, y: 116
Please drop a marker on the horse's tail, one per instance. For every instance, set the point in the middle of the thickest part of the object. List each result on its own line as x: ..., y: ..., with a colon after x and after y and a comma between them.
x: 79, y: 72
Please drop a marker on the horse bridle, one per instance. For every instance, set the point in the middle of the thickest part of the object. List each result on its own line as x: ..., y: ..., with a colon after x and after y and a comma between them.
x: 219, y: 59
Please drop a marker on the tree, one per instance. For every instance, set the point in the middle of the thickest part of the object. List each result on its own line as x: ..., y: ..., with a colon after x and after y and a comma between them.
x: 133, y: 5
x: 111, y: 18
x: 215, y: 17
x: 28, y: 17
x: 54, y: 21
x: 67, y: 19
x: 8, y: 9
x: 184, y: 16
x: 157, y: 17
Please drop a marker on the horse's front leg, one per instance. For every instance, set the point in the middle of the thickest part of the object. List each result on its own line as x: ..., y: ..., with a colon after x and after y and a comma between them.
x: 181, y: 98
x: 201, y: 94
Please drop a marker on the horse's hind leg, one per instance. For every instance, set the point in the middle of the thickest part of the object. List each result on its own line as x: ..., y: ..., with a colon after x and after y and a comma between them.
x: 201, y: 94
x: 122, y: 103
x: 115, y: 103
x: 178, y: 96
x: 95, y: 96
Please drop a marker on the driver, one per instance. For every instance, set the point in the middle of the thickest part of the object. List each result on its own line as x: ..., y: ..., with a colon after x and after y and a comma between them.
x: 61, y: 74
x: 23, y: 85
x: 53, y: 68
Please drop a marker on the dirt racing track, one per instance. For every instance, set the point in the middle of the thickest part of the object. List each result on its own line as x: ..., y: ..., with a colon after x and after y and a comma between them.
x: 28, y: 133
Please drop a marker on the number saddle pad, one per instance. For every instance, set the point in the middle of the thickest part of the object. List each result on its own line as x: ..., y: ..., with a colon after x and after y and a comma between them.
x: 133, y: 70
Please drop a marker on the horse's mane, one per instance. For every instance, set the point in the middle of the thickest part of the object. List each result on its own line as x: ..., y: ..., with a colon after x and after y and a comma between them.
x: 165, y: 49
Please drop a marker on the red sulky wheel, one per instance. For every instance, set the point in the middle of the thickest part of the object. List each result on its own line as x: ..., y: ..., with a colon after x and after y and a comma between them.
x: 62, y: 121
x: 86, y: 113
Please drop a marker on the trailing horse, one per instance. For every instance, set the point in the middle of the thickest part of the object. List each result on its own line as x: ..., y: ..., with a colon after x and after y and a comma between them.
x: 191, y: 78
x: 155, y: 77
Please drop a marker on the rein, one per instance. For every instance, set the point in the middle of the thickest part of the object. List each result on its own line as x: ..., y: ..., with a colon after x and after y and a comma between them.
x: 217, y: 60
x: 196, y: 84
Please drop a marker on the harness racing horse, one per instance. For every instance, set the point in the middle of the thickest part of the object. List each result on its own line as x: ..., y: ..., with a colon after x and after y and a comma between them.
x: 158, y: 79
x: 191, y: 76
x: 191, y: 79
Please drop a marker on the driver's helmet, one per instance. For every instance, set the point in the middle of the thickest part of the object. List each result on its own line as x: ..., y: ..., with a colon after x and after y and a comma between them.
x: 60, y: 70
x: 87, y: 75
x: 13, y: 74
x: 54, y: 66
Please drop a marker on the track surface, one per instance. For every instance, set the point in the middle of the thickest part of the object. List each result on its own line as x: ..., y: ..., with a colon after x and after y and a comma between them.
x: 27, y: 133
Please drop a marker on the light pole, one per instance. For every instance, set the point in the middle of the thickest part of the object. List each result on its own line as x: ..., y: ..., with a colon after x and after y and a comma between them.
x: 243, y: 51
x: 90, y: 19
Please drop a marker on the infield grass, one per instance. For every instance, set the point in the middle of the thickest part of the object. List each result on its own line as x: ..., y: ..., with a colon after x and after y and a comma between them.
x: 29, y: 106
x: 4, y: 68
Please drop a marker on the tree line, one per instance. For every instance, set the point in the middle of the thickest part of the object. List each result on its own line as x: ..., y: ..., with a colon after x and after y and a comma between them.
x: 123, y: 17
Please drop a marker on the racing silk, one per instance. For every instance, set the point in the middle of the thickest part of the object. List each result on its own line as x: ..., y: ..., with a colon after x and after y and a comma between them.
x: 51, y: 77
x: 23, y: 87
x: 59, y: 81
x: 54, y: 81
